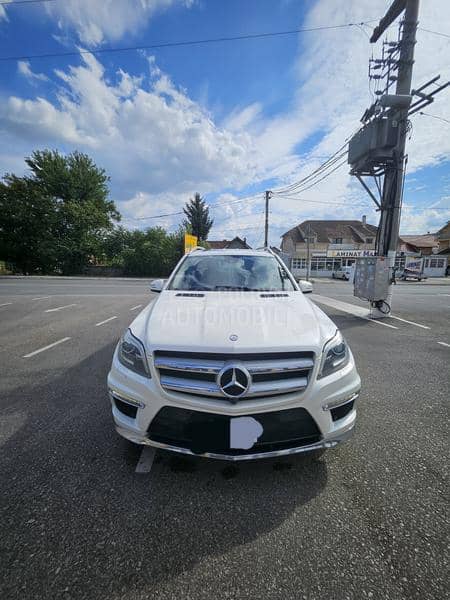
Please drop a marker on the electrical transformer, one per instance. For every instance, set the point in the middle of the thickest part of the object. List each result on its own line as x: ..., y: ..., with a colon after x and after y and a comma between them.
x: 371, y: 278
x: 374, y: 142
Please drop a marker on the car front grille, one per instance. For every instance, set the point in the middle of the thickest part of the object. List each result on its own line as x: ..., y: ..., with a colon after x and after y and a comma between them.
x: 270, y: 373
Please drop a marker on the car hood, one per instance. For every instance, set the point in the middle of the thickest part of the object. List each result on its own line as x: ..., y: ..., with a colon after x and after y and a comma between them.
x: 233, y: 322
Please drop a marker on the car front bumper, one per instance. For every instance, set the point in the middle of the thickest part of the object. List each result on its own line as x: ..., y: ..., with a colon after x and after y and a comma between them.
x: 323, y: 444
x: 147, y: 398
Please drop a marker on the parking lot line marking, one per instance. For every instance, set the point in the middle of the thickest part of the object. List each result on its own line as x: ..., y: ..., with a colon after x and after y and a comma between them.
x: 146, y: 459
x: 136, y: 307
x: 6, y: 304
x: 444, y: 344
x: 105, y: 321
x: 378, y: 322
x: 410, y: 322
x: 46, y: 348
x: 352, y: 309
x: 41, y: 298
x: 49, y: 310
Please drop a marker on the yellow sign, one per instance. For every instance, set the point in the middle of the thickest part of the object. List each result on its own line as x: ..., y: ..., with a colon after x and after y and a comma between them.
x: 190, y: 242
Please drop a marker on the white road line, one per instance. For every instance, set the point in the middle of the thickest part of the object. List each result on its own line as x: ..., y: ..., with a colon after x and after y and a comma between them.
x: 146, y: 460
x: 105, y: 321
x: 6, y: 304
x: 41, y: 298
x: 46, y: 347
x: 410, y: 322
x: 136, y: 307
x: 49, y: 310
x: 352, y: 309
x: 378, y: 322
x: 444, y: 344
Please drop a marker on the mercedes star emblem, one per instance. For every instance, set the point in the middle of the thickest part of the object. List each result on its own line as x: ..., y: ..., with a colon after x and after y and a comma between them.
x: 233, y: 381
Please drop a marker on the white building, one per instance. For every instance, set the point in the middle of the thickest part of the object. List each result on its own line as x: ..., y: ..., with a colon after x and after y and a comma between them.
x: 334, y: 243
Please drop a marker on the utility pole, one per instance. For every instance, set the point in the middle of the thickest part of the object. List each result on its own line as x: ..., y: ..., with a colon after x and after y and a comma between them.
x: 393, y: 181
x: 266, y: 227
x: 308, y: 256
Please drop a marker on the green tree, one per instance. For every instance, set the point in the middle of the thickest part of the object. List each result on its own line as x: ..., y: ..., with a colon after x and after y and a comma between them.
x: 198, y: 221
x: 64, y: 205
x: 27, y: 223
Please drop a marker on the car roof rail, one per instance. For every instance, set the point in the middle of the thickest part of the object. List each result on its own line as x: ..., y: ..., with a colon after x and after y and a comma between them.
x: 197, y: 248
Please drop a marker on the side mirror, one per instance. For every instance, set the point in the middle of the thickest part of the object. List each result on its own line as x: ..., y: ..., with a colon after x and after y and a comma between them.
x: 157, y: 285
x: 305, y: 286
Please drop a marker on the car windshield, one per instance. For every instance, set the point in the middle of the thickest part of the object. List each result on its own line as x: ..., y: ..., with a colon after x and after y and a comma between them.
x: 226, y: 272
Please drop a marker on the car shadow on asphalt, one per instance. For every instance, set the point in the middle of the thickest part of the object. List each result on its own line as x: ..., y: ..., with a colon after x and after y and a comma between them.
x: 85, y: 524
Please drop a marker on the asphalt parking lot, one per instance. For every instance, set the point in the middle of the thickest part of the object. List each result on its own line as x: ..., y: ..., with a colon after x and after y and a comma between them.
x: 366, y: 520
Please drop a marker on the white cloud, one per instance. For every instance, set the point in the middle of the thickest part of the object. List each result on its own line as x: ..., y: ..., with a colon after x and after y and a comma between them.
x: 108, y: 20
x: 333, y: 93
x: 23, y: 66
x: 147, y: 133
x: 160, y: 146
x: 3, y: 14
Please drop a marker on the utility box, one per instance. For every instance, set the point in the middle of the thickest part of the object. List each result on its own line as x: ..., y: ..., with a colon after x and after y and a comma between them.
x: 371, y: 278
x: 373, y: 143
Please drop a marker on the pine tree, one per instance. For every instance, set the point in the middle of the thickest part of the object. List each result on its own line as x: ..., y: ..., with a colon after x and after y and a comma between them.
x: 198, y: 221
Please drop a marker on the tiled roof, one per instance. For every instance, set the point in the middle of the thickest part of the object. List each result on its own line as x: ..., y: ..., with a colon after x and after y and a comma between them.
x: 428, y: 240
x: 326, y: 231
x: 218, y: 244
x: 236, y: 242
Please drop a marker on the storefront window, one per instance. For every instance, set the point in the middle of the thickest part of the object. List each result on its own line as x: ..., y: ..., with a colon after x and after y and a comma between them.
x: 299, y: 263
x: 436, y: 263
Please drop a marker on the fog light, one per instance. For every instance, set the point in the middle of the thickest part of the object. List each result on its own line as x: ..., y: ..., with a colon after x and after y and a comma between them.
x: 115, y: 396
x: 126, y: 406
x: 340, y: 402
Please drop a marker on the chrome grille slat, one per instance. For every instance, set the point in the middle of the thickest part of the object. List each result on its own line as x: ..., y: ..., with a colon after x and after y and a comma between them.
x: 195, y: 365
x: 283, y: 386
x: 279, y: 366
x: 200, y: 373
x: 214, y: 366
x: 190, y: 386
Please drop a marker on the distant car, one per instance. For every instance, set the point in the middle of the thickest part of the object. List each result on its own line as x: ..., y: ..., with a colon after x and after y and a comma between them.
x: 305, y: 286
x: 406, y: 274
x: 342, y: 273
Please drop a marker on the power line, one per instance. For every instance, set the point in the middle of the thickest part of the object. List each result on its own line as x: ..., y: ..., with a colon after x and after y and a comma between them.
x: 331, y: 204
x: 446, y: 35
x: 250, y: 36
x: 328, y: 203
x: 325, y: 174
x: 24, y: 2
x: 434, y: 117
x: 214, y: 206
x: 337, y: 155
x: 313, y: 175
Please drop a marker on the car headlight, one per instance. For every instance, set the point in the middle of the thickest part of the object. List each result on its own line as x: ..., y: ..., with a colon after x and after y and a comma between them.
x: 131, y: 354
x: 335, y: 355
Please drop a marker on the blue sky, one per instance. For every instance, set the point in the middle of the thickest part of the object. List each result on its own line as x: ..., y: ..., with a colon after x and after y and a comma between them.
x: 228, y: 119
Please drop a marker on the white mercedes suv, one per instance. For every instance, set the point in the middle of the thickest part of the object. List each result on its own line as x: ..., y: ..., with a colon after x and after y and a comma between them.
x: 232, y: 361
